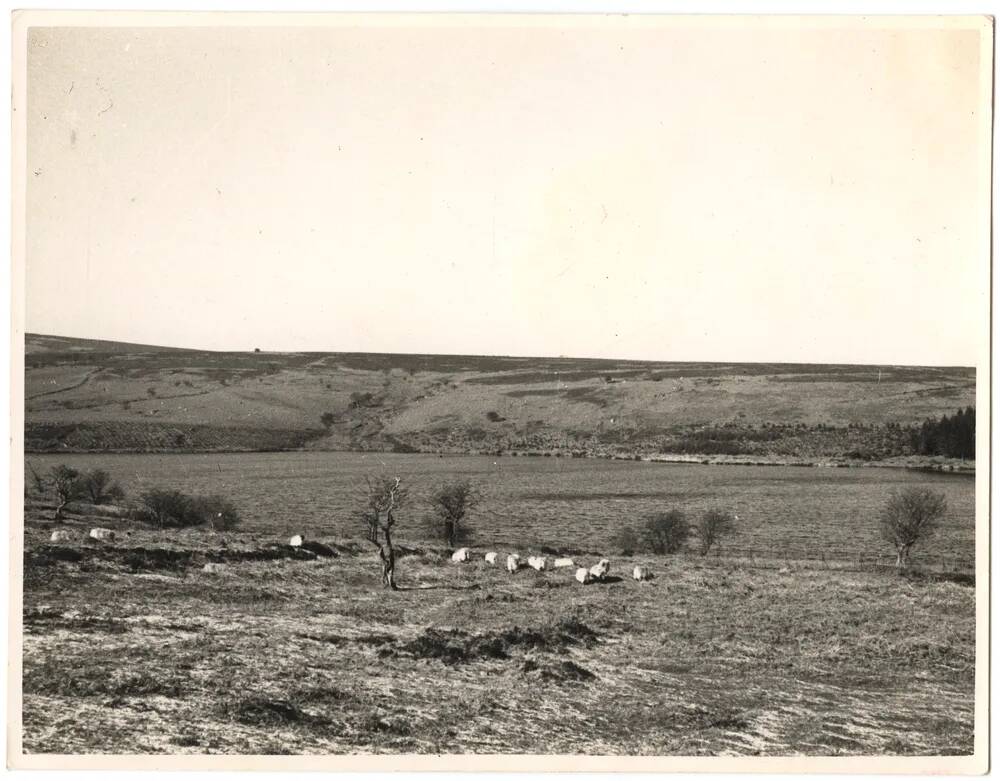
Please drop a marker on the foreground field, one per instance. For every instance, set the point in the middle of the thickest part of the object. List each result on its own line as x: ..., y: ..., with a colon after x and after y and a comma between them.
x: 131, y: 649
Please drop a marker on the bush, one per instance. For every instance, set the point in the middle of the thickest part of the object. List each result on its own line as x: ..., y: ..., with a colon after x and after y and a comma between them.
x: 713, y: 526
x: 170, y: 508
x: 451, y: 502
x: 627, y: 541
x: 220, y: 513
x: 910, y: 515
x: 666, y: 532
x: 98, y: 488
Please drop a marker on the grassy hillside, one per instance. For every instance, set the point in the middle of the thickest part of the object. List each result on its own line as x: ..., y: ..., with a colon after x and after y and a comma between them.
x: 84, y: 395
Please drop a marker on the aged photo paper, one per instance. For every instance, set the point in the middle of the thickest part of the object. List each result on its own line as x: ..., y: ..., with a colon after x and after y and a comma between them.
x: 508, y: 392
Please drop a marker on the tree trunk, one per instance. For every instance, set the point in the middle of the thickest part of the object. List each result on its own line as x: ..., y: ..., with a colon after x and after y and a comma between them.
x: 59, y: 511
x: 388, y: 556
x: 902, y: 556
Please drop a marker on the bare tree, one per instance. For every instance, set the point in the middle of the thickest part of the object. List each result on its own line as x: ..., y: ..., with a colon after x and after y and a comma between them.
x: 712, y: 526
x: 910, y: 515
x: 98, y: 487
x: 451, y: 503
x: 67, y: 485
x: 38, y: 482
x: 384, y: 495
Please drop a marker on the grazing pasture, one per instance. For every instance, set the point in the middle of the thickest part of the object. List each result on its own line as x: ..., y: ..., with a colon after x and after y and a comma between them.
x: 195, y: 641
x: 785, y: 512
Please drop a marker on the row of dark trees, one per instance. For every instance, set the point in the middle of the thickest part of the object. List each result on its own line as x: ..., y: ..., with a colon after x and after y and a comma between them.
x: 953, y: 435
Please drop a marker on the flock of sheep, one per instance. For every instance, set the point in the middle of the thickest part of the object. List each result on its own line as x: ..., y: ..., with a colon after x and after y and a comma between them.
x: 595, y: 574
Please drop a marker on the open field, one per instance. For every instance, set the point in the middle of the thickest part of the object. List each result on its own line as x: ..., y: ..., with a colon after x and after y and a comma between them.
x: 785, y: 512
x: 99, y: 396
x: 131, y: 654
x: 132, y: 647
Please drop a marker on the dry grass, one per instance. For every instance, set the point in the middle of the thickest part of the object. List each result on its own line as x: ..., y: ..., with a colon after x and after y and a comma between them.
x: 290, y: 656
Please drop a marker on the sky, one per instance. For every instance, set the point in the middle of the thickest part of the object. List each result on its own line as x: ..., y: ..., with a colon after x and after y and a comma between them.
x: 622, y: 188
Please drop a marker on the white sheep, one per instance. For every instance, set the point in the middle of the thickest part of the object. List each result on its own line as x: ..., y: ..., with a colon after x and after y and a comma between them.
x: 584, y: 576
x: 491, y: 557
x: 102, y: 534
x: 562, y: 563
x: 641, y: 573
x: 513, y: 563
x: 60, y: 536
x: 296, y: 541
x: 462, y: 554
x: 600, y: 570
x: 536, y: 562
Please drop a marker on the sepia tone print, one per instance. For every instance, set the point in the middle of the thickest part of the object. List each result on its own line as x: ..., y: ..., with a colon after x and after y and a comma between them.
x: 487, y: 387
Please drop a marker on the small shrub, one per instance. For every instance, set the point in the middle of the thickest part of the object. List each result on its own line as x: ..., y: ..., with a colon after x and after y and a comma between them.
x: 451, y: 503
x: 666, y: 532
x: 170, y: 508
x: 627, y: 541
x: 712, y: 527
x: 220, y: 513
x: 97, y: 487
x: 910, y: 515
x: 67, y: 485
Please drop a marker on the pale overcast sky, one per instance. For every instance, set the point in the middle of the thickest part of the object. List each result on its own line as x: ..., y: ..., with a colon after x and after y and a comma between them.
x: 674, y: 191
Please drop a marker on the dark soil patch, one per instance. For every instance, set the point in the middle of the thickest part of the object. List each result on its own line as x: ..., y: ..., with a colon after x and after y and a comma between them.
x: 560, y: 671
x: 453, y: 646
x: 266, y: 712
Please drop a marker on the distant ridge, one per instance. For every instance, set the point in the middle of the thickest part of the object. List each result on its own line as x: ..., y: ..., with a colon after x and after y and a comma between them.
x: 49, y: 343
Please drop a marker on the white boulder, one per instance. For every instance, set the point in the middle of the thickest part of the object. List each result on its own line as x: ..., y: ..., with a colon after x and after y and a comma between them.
x: 296, y: 541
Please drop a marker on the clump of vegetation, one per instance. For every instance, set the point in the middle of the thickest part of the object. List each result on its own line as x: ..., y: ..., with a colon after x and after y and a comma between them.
x: 99, y: 488
x: 909, y: 516
x: 712, y: 527
x: 169, y: 508
x: 627, y: 541
x: 327, y: 419
x: 66, y: 484
x: 451, y: 503
x: 495, y: 417
x: 666, y: 532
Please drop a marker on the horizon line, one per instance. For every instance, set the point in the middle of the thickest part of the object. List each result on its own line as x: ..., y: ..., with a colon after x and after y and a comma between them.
x: 262, y: 351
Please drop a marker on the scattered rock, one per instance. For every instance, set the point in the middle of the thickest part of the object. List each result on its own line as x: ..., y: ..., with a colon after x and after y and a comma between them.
x: 213, y: 568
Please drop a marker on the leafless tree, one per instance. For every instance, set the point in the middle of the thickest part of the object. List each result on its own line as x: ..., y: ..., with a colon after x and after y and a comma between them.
x: 451, y: 503
x: 910, y: 515
x: 712, y: 526
x: 67, y: 486
x: 99, y: 488
x: 383, y: 497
